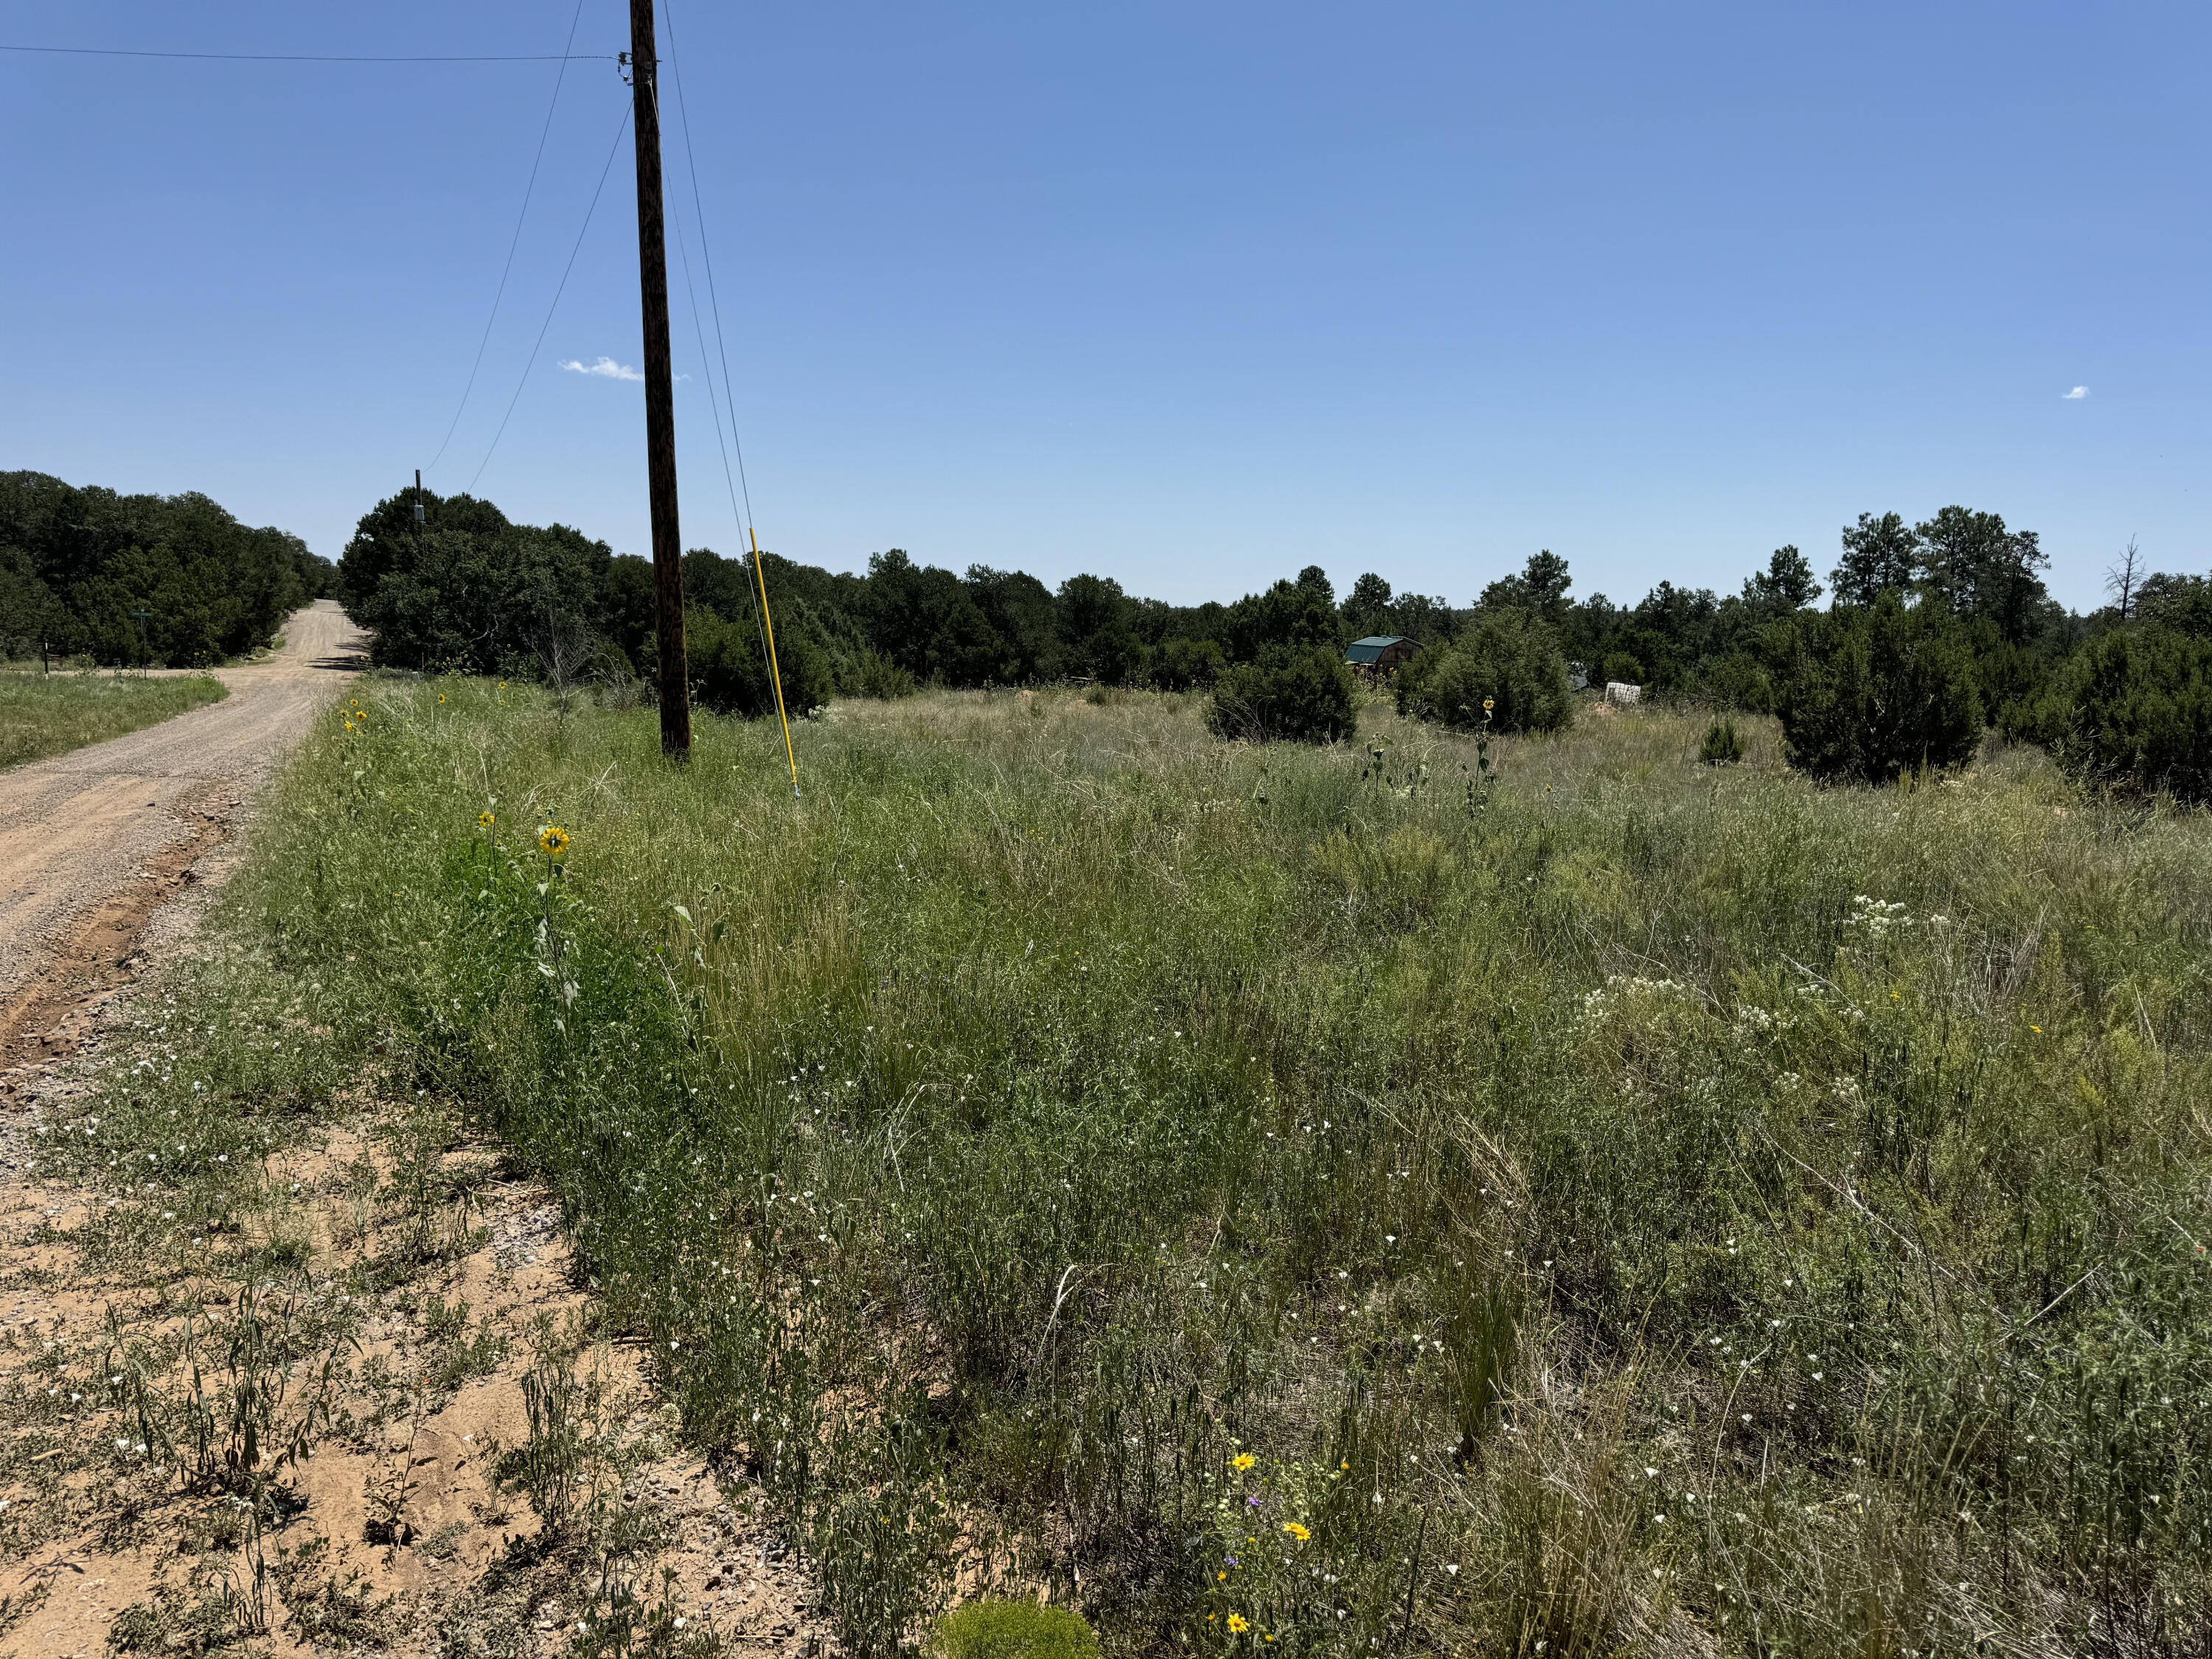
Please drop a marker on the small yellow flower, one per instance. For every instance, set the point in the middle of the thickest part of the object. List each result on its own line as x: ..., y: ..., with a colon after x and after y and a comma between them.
x: 2038, y: 1029
x: 441, y: 697
x: 1238, y: 1624
x: 1219, y: 1577
x: 485, y: 820
x: 1242, y: 1462
x: 1296, y: 1531
x: 1489, y: 703
x: 553, y: 840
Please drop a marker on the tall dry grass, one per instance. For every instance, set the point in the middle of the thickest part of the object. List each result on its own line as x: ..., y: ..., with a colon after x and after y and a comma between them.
x: 1619, y: 1204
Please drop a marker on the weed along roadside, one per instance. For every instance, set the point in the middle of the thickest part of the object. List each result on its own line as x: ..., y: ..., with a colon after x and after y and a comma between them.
x: 1329, y: 1200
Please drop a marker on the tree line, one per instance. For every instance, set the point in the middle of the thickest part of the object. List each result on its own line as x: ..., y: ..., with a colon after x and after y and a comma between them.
x: 151, y: 580
x: 1934, y: 632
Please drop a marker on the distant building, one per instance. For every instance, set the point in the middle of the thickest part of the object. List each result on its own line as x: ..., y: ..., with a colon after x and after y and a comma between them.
x: 1380, y: 654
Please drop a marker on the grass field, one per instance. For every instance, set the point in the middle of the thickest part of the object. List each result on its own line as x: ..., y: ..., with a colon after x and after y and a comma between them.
x: 43, y: 715
x: 1328, y: 1201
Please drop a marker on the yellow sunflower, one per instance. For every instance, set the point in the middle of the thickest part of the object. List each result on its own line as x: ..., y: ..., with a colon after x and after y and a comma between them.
x: 553, y: 840
x: 485, y: 820
x: 1238, y: 1624
x: 1242, y: 1462
x: 1296, y: 1531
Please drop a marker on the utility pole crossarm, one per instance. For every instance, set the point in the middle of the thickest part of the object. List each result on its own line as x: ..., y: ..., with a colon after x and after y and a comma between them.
x: 659, y: 391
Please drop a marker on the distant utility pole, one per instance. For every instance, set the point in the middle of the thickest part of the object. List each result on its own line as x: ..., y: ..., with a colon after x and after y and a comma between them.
x: 660, y: 391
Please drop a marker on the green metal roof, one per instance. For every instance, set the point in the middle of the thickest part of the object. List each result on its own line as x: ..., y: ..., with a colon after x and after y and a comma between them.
x: 1371, y: 649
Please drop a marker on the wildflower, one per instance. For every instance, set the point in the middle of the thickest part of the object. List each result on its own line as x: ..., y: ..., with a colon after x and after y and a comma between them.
x: 1238, y: 1624
x: 485, y: 820
x: 441, y: 697
x: 1242, y: 1462
x: 1489, y: 703
x: 553, y: 840
x: 1296, y: 1531
x: 2038, y: 1029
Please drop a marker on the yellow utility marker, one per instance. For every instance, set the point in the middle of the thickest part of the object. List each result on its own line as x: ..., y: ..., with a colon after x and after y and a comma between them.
x: 775, y: 672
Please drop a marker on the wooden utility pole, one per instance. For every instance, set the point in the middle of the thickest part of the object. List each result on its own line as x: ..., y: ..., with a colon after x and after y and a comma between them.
x: 660, y: 391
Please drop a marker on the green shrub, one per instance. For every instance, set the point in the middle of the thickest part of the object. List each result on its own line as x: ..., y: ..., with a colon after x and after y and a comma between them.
x: 730, y: 676
x: 1721, y: 746
x: 1302, y: 693
x: 1622, y: 667
x: 1187, y: 665
x: 1739, y: 680
x: 1876, y: 692
x: 872, y: 674
x: 1508, y: 663
x: 1013, y: 1629
x: 2133, y: 711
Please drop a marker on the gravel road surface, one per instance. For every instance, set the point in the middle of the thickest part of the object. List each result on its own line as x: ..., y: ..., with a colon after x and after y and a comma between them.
x: 89, y: 840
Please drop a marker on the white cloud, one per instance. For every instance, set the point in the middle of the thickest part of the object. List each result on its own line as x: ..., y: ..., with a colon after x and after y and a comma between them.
x: 2078, y: 391
x: 605, y: 367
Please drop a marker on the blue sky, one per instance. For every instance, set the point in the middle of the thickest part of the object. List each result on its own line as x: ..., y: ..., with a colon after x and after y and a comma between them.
x: 1192, y: 295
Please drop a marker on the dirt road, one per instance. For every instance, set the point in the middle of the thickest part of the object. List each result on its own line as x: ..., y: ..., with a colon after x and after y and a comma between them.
x: 90, y: 841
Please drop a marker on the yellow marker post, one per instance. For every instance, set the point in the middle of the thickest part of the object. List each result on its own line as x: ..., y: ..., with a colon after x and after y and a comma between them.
x: 774, y: 672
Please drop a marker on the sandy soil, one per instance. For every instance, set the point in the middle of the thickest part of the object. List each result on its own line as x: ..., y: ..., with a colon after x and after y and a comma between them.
x: 90, y: 841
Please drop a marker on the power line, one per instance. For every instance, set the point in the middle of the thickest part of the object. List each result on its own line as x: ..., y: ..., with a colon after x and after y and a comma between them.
x: 515, y: 242
x: 691, y: 165
x: 321, y: 58
x: 706, y: 254
x: 759, y: 566
x: 760, y: 621
x: 621, y: 127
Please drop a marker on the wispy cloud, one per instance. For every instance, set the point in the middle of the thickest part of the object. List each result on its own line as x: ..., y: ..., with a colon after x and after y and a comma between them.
x: 606, y: 368
x: 2078, y: 391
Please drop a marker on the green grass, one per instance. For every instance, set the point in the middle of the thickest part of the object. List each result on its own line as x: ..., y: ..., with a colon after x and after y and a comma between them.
x: 1627, y: 1201
x: 994, y: 1629
x: 43, y: 715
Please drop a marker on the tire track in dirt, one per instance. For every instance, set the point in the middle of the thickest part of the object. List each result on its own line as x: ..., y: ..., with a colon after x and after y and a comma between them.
x: 92, y: 841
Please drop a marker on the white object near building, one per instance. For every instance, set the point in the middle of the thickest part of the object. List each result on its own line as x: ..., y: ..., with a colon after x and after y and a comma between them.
x: 1621, y: 692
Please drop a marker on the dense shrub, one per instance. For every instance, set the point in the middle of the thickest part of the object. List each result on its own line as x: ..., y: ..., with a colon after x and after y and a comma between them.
x: 1508, y: 659
x: 1738, y: 680
x: 872, y: 674
x: 2183, y: 604
x: 729, y: 672
x: 468, y: 588
x: 1291, y: 692
x: 78, y: 566
x: 1876, y: 692
x: 1187, y: 665
x: 2134, y: 712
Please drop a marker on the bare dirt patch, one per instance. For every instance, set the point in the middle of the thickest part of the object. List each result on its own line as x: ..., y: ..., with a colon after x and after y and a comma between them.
x: 402, y: 1325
